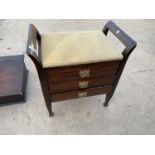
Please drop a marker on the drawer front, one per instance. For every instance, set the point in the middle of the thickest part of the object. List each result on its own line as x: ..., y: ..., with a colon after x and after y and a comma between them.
x: 56, y: 87
x: 80, y: 93
x: 82, y: 71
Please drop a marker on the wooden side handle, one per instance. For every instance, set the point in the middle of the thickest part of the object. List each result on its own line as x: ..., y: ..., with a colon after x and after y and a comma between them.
x: 129, y: 43
x: 33, y: 43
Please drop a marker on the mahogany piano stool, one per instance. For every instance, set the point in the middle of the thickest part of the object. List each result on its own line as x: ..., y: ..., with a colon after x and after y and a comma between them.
x: 78, y: 64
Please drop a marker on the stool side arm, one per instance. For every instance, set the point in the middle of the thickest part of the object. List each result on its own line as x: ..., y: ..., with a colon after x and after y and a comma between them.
x: 33, y: 37
x: 128, y: 42
x: 130, y: 45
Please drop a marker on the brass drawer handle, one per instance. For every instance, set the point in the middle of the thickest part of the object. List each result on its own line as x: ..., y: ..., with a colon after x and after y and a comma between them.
x: 84, y: 73
x: 83, y: 84
x: 82, y: 94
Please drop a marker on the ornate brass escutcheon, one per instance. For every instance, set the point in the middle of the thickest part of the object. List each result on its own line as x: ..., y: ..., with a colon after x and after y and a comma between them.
x: 82, y: 94
x: 83, y: 84
x: 84, y: 73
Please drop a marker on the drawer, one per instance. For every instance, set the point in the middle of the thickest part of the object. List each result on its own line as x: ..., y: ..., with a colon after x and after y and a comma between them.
x: 80, y: 93
x: 82, y: 71
x: 56, y: 87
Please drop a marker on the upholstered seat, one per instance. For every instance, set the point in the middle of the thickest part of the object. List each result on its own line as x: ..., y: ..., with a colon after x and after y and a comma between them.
x: 72, y: 48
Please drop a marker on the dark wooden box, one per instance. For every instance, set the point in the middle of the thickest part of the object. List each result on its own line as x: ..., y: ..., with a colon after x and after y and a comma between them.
x: 13, y: 79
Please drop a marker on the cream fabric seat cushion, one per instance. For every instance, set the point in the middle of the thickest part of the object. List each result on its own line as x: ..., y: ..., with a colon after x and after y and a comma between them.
x: 72, y: 48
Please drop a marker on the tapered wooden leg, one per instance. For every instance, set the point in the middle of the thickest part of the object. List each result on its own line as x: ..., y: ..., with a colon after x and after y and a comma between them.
x: 49, y: 108
x: 108, y: 97
x: 51, y: 114
x: 44, y: 85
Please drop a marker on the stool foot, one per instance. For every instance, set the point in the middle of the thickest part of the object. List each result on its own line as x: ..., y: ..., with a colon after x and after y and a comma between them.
x: 108, y: 97
x: 105, y: 104
x: 51, y: 114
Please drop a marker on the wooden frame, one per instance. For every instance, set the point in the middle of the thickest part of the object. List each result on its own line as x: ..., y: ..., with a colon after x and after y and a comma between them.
x: 34, y: 37
x: 130, y: 45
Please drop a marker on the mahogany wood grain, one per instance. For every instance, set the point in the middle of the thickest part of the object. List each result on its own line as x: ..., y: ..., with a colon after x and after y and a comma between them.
x: 71, y: 85
x: 102, y: 68
x: 75, y: 94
